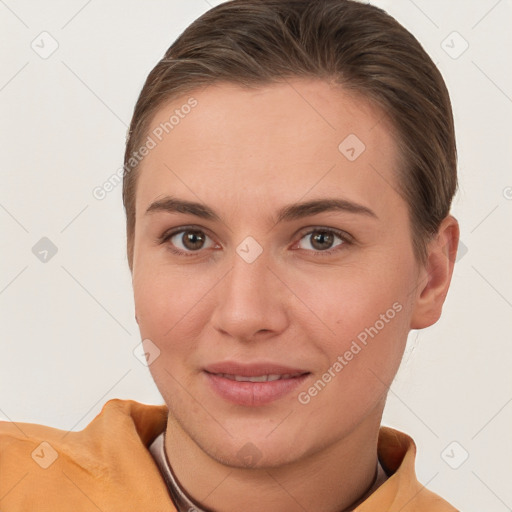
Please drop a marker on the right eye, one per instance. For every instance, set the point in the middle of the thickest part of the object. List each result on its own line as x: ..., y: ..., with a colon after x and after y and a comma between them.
x: 187, y: 241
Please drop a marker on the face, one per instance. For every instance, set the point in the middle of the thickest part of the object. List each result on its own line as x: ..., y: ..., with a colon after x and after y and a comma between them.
x: 273, y: 267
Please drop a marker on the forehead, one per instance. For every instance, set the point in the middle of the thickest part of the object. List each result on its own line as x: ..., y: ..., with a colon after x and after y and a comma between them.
x: 274, y: 143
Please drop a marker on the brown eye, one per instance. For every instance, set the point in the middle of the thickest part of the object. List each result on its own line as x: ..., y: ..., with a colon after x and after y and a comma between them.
x: 193, y: 240
x: 185, y: 241
x: 322, y: 240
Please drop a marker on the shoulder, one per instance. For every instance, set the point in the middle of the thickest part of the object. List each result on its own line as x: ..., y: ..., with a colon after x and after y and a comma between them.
x: 38, y: 461
x: 431, y: 502
x: 144, y: 422
x: 402, y: 490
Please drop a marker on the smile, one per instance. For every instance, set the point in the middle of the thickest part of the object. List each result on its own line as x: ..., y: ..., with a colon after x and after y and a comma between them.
x: 254, y: 384
x: 258, y: 378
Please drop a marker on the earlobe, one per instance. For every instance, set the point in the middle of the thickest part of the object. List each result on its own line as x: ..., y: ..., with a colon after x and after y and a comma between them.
x: 434, y: 281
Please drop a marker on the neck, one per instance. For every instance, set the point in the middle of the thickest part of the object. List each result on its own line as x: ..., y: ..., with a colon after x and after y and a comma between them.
x: 332, y: 479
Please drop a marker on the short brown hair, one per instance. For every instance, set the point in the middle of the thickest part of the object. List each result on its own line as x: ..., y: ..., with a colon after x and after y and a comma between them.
x: 358, y: 46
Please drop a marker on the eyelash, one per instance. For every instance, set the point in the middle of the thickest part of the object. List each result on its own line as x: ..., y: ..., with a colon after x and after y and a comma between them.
x: 345, y: 238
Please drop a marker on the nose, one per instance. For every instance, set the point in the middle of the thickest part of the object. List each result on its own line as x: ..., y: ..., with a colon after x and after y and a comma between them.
x: 251, y: 302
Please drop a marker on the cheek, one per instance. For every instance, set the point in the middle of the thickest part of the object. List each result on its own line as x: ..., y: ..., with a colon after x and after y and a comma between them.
x: 350, y: 299
x: 163, y: 297
x: 150, y: 301
x: 357, y: 364
x: 366, y: 316
x: 171, y: 311
x: 164, y: 308
x: 157, y: 308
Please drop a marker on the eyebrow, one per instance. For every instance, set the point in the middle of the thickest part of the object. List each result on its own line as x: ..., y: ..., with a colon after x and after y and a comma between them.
x: 287, y: 213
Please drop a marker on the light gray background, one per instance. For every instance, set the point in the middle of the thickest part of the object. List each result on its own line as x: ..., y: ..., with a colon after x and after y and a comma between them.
x: 68, y: 329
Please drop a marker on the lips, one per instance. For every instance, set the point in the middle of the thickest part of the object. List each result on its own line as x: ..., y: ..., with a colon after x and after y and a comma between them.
x: 253, y: 369
x: 258, y: 378
x: 253, y: 384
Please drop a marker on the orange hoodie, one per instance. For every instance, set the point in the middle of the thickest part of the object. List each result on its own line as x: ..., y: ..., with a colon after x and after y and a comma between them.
x: 107, y: 467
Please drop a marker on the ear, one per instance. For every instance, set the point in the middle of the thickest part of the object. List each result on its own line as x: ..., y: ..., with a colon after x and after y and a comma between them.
x: 435, y: 276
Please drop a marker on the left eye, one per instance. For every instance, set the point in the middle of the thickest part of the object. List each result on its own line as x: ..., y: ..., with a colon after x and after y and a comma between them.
x: 322, y: 240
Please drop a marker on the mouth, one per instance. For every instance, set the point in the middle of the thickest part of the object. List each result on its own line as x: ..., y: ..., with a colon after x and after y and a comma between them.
x: 253, y: 385
x: 258, y: 378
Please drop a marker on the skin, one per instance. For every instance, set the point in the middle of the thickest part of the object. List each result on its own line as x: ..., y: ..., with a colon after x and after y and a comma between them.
x: 246, y: 153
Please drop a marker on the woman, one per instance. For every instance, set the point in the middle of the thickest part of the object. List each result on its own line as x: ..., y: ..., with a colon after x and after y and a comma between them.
x: 289, y: 172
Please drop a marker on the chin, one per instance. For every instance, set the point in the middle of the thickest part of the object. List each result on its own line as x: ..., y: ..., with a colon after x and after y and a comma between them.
x: 253, y: 447
x: 255, y: 454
